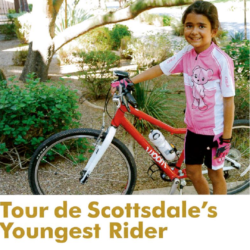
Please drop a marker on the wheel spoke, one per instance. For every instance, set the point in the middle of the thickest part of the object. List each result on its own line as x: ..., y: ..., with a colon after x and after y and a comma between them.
x: 59, y: 171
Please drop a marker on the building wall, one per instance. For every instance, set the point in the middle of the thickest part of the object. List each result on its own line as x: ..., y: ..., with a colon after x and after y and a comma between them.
x: 5, y: 5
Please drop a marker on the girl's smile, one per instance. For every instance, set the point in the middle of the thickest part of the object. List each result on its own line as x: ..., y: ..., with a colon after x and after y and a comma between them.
x: 198, y: 31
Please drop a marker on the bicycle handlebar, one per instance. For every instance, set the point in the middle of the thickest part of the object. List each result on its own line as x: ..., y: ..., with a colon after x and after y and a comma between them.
x: 126, y: 92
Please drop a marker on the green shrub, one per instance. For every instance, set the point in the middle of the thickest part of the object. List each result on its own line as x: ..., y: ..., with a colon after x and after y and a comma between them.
x: 95, y: 67
x: 222, y: 38
x: 96, y: 40
x: 8, y: 29
x: 239, y: 52
x: 30, y: 7
x: 166, y: 20
x: 221, y: 34
x: 117, y: 33
x: 237, y: 36
x: 20, y: 57
x: 242, y: 102
x: 31, y: 114
x: 153, y: 101
x: 178, y: 29
x: 144, y: 52
x: 124, y: 47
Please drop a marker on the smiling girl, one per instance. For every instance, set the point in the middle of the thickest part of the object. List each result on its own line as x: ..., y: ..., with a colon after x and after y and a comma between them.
x: 209, y: 87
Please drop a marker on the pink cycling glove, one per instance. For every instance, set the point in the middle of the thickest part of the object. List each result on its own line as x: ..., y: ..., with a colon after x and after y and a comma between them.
x: 223, y: 148
x: 124, y: 82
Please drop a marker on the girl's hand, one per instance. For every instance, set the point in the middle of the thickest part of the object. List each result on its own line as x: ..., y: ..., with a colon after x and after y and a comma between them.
x: 112, y: 90
x: 115, y: 85
x: 223, y: 148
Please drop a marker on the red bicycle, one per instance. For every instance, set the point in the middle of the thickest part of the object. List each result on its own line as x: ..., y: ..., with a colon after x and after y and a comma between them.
x: 88, y: 161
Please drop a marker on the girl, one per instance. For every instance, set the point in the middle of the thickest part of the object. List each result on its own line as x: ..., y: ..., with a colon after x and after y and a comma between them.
x: 209, y: 87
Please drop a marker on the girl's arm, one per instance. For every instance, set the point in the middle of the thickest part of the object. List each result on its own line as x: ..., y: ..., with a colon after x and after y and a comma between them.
x: 148, y: 74
x: 228, y: 116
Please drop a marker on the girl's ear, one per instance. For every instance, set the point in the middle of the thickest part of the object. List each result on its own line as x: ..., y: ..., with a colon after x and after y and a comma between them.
x: 214, y: 32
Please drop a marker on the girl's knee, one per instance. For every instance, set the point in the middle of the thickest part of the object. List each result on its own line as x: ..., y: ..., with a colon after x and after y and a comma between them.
x: 193, y: 173
x: 216, y: 176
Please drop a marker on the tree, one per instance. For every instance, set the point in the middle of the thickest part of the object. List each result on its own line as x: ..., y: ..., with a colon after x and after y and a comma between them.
x: 43, y: 42
x: 245, y: 18
x: 21, y: 5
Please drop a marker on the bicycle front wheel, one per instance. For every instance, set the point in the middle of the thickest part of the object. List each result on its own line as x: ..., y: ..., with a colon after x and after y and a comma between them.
x: 58, y: 164
x: 238, y: 178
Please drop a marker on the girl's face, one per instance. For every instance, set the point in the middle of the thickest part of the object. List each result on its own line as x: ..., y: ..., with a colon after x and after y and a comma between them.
x: 198, y: 31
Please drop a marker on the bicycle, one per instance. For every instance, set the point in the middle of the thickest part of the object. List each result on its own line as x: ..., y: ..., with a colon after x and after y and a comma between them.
x: 88, y: 161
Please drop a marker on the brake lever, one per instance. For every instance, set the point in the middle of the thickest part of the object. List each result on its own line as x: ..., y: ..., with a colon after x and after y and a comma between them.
x: 124, y: 100
x: 120, y: 89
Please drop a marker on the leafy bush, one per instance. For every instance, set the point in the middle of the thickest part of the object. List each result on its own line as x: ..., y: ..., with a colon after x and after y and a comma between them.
x: 96, y: 40
x: 178, y: 29
x: 237, y: 36
x: 239, y: 52
x: 8, y: 29
x: 117, y: 33
x: 153, y: 101
x: 31, y: 114
x: 242, y: 102
x: 20, y: 57
x: 167, y: 20
x: 30, y: 7
x: 95, y: 67
x: 124, y: 52
x: 143, y: 49
x: 221, y: 34
x: 222, y: 38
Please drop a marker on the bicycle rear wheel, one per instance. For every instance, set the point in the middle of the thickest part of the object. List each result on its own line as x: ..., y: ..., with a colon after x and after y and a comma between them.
x: 58, y: 164
x: 238, y: 178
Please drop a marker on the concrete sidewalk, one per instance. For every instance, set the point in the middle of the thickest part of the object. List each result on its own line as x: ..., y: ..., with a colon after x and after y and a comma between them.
x: 188, y: 190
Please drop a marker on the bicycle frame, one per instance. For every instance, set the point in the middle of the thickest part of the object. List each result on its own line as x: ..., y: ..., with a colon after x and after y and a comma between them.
x: 120, y: 119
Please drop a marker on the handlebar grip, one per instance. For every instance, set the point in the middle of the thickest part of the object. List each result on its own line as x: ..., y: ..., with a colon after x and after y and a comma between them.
x: 131, y: 99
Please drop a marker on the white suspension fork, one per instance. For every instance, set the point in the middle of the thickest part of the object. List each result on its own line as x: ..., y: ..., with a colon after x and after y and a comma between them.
x: 98, y: 153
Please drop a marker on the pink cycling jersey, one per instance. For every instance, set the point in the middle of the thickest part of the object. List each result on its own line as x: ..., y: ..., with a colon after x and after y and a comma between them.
x: 208, y: 77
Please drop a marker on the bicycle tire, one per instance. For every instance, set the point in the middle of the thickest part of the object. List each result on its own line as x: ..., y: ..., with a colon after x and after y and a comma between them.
x: 240, y: 151
x: 57, y: 165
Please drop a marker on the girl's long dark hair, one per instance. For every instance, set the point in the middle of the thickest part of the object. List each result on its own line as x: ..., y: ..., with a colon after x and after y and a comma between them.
x: 204, y: 8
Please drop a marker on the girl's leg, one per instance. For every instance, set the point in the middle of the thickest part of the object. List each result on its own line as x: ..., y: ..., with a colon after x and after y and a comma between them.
x: 218, y: 181
x: 194, y: 173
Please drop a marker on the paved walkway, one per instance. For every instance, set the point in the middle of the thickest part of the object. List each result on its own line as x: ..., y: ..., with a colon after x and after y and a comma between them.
x: 186, y: 191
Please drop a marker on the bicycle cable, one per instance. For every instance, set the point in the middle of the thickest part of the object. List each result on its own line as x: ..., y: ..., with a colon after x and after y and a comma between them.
x: 107, y: 99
